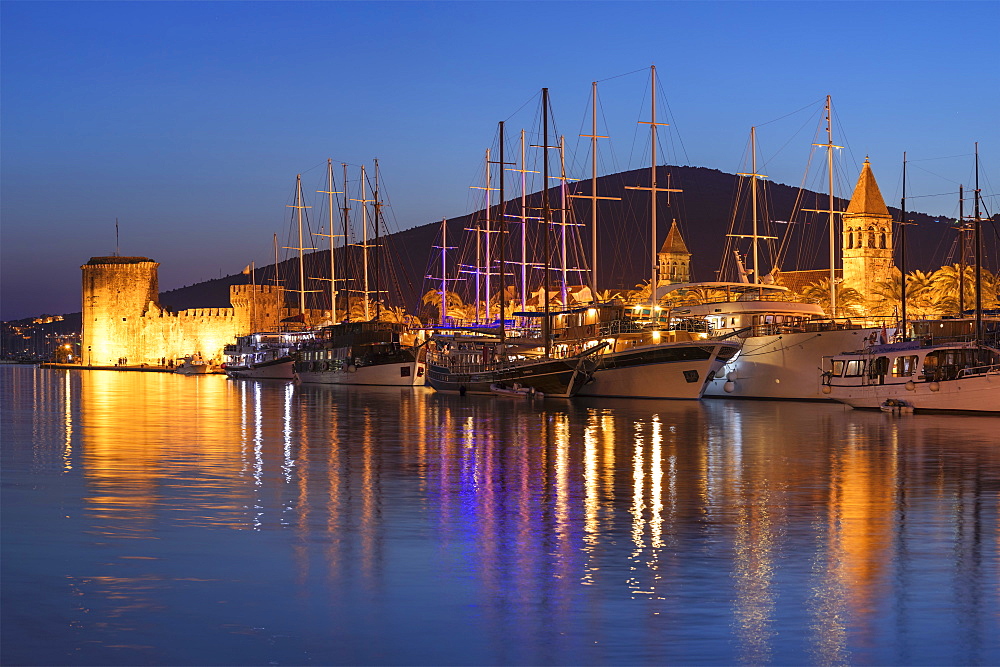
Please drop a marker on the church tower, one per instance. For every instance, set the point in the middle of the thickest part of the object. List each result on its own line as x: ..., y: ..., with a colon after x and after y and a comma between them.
x: 867, y: 237
x: 674, y: 260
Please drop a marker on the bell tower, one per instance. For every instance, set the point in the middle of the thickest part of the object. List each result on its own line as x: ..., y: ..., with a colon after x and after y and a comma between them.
x: 867, y: 237
x: 674, y: 259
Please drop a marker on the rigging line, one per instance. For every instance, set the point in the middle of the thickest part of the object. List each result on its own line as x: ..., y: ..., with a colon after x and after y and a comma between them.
x: 618, y: 76
x: 945, y: 157
x: 943, y: 178
x: 792, y: 113
x: 526, y: 103
x: 790, y: 140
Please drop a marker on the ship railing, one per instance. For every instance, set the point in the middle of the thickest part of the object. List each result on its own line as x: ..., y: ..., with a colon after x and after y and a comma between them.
x: 991, y: 369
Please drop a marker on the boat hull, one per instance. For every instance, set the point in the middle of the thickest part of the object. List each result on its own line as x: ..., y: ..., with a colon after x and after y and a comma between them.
x: 980, y: 393
x: 394, y: 374
x: 555, y: 377
x: 784, y: 366
x: 669, y: 371
x: 279, y: 369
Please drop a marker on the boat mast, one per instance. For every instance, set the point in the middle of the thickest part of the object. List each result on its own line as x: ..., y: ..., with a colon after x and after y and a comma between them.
x: 961, y: 250
x: 593, y: 136
x: 378, y: 269
x: 333, y: 265
x: 298, y: 206
x: 444, y: 247
x: 501, y: 219
x: 487, y: 250
x: 346, y: 211
x: 755, y: 236
x: 364, y: 242
x: 979, y: 255
x: 833, y: 223
x: 652, y: 189
x: 546, y: 215
x: 563, y: 261
x: 902, y: 247
x: 524, y: 227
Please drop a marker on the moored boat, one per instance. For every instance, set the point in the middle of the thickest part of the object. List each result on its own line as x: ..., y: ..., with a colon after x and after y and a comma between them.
x: 925, y: 376
x: 361, y: 353
x: 264, y: 355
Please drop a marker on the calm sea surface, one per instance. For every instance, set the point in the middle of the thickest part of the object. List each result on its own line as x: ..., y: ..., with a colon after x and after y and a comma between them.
x: 160, y: 519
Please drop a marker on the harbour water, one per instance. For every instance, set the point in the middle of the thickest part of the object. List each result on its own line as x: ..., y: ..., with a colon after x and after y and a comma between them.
x: 159, y: 519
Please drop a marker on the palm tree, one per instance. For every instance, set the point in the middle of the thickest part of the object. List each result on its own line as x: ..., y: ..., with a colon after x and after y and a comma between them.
x: 948, y: 281
x: 848, y: 298
x: 454, y: 304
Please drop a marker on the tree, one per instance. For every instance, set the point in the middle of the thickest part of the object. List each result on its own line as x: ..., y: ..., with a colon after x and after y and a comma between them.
x: 848, y: 298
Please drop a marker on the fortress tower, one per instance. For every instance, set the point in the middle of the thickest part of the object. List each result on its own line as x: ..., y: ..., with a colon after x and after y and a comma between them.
x: 117, y: 292
x: 256, y: 307
x: 867, y: 237
x: 674, y: 259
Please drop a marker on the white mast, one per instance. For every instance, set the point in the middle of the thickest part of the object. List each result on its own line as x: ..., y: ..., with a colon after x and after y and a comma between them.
x: 593, y: 190
x: 755, y: 236
x: 333, y: 263
x: 299, y: 207
x: 364, y: 242
x: 652, y: 189
x: 829, y: 145
x: 564, y: 292
x: 488, y: 250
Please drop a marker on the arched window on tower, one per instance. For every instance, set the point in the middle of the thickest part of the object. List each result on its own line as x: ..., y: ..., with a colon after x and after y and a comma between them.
x: 871, y: 237
x: 882, y: 242
x: 850, y: 240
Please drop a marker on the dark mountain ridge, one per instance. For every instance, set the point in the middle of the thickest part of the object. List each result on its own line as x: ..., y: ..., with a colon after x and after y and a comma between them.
x: 703, y: 211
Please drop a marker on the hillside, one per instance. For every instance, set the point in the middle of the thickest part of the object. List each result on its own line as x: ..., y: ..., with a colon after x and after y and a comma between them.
x: 703, y: 212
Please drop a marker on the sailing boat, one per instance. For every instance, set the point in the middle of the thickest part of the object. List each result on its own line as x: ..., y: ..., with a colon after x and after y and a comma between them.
x: 948, y: 365
x: 641, y: 359
x: 371, y: 351
x: 489, y: 362
x: 784, y: 341
x: 268, y: 355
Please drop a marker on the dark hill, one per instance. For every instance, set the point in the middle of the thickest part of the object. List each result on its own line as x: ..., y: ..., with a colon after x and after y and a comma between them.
x: 703, y: 212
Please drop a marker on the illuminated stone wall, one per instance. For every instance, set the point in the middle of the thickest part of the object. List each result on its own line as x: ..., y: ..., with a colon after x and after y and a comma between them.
x: 123, y: 320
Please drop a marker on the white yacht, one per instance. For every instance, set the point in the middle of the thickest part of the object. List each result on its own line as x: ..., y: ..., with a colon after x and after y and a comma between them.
x: 264, y: 355
x: 938, y: 371
x: 784, y: 341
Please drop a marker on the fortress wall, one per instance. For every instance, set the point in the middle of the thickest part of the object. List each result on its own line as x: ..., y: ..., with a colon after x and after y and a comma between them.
x: 122, y: 317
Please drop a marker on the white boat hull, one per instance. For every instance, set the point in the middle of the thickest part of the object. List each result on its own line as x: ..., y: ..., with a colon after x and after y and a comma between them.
x: 980, y: 393
x: 784, y: 366
x: 663, y: 379
x: 409, y: 374
x: 277, y: 370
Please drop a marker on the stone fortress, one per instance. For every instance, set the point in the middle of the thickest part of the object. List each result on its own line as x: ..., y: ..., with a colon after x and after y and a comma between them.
x: 124, y: 323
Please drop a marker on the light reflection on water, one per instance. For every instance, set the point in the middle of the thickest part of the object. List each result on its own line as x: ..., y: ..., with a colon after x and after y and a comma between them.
x: 273, y: 523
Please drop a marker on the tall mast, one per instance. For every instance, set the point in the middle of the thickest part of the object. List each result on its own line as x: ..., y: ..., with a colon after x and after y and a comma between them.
x: 345, y: 209
x: 503, y: 240
x: 546, y: 215
x: 979, y: 256
x: 378, y: 263
x: 364, y: 242
x: 652, y: 189
x: 902, y: 247
x: 563, y: 260
x: 961, y: 250
x: 333, y: 264
x: 488, y: 231
x: 593, y: 136
x: 298, y: 206
x: 833, y: 223
x: 755, y: 236
x: 444, y: 247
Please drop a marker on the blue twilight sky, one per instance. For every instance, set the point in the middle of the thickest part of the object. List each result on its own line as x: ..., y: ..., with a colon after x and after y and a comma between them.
x: 188, y: 121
